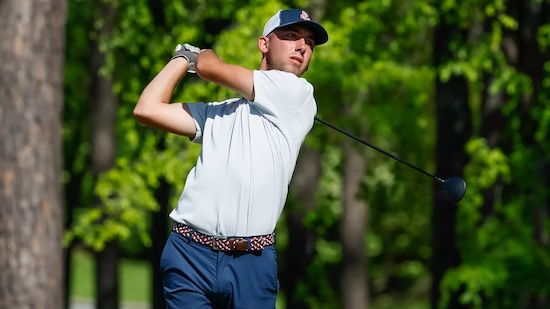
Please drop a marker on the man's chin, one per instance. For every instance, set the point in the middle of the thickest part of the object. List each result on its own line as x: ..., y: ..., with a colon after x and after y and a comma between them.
x: 298, y: 71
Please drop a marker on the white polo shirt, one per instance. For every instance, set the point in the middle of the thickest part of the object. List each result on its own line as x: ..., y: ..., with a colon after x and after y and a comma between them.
x: 249, y: 150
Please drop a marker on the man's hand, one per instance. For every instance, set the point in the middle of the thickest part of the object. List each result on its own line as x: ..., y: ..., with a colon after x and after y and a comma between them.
x: 190, y: 53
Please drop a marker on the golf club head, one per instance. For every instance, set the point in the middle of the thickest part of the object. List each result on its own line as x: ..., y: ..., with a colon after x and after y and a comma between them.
x: 455, y: 187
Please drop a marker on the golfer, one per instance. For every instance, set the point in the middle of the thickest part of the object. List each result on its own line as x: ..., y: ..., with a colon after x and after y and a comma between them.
x: 221, y: 252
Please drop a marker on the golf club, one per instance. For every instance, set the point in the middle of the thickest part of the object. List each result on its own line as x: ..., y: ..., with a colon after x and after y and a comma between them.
x: 454, y: 187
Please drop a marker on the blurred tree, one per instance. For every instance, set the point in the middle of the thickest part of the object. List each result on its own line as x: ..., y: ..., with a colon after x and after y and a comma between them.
x: 454, y: 128
x: 354, y: 286
x: 499, y: 231
x: 377, y: 78
x: 76, y: 122
x: 513, y: 127
x: 31, y: 212
x: 299, y: 252
x: 373, y: 80
x: 353, y: 225
x: 103, y: 151
x: 137, y: 42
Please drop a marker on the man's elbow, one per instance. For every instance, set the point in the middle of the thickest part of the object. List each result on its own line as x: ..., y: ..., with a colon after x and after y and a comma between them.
x: 142, y: 114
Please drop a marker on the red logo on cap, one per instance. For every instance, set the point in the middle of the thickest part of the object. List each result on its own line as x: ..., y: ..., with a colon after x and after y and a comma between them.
x: 304, y: 16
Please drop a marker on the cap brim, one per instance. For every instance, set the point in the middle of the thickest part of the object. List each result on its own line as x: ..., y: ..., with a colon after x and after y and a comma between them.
x: 321, y: 35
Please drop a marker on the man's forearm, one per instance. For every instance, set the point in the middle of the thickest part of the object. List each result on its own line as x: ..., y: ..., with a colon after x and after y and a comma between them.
x: 212, y: 68
x: 160, y: 89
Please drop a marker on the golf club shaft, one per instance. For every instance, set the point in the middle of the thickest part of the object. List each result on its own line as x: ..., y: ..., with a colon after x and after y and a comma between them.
x: 378, y: 149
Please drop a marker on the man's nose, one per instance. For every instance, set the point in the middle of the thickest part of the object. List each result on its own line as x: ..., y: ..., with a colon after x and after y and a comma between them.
x: 301, y: 45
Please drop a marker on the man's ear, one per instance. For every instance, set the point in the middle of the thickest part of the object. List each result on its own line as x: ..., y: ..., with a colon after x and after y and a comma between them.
x: 263, y: 44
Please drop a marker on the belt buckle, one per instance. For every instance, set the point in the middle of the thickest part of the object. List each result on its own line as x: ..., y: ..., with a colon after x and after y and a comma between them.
x: 214, y: 245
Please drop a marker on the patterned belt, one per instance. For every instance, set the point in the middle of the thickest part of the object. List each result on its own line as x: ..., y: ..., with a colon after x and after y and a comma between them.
x: 218, y: 243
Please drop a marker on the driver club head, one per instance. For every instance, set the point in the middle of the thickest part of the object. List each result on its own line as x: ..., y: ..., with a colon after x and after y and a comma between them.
x: 455, y: 187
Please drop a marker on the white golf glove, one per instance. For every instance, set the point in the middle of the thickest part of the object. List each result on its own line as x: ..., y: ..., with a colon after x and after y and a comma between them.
x: 190, y: 53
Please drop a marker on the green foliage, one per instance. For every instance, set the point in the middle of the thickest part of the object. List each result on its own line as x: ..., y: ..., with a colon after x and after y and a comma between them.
x: 375, y: 68
x: 126, y: 191
x: 324, y: 218
x: 503, y: 261
x: 126, y: 194
x: 479, y: 275
x: 373, y: 78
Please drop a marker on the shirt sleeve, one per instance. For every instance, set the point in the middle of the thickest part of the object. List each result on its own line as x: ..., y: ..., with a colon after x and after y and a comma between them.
x: 198, y: 112
x: 278, y: 95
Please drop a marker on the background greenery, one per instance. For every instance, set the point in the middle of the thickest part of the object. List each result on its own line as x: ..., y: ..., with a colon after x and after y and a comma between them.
x: 375, y: 77
x: 135, y: 278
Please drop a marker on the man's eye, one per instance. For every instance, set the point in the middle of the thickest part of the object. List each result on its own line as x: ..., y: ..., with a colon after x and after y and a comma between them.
x: 291, y: 35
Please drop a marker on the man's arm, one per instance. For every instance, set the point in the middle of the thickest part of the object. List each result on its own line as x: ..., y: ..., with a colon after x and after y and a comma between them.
x: 153, y: 107
x: 212, y: 68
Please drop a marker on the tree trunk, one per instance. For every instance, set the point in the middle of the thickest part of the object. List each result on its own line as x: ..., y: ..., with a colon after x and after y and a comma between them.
x: 104, y: 116
x: 303, y: 188
x: 354, y: 285
x: 454, y: 128
x: 31, y: 205
x: 103, y: 157
x: 72, y: 199
x: 159, y: 234
x: 301, y: 241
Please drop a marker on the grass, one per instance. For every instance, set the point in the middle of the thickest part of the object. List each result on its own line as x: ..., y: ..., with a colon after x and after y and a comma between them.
x: 135, y: 279
x: 391, y: 303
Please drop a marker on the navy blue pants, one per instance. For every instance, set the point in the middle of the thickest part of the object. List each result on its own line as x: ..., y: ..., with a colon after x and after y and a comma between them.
x: 197, y: 277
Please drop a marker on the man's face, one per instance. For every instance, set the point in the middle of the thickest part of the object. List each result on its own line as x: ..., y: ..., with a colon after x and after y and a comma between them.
x: 290, y: 49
